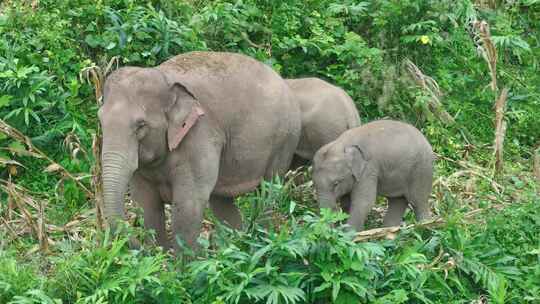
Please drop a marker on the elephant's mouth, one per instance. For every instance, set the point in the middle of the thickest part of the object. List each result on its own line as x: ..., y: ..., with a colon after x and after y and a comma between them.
x: 149, y: 159
x: 154, y: 162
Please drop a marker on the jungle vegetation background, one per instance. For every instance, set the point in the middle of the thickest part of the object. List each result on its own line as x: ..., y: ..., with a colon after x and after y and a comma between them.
x: 465, y: 72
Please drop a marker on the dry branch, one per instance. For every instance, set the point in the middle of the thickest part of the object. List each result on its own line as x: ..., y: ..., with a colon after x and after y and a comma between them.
x: 486, y: 48
x: 500, y: 130
x: 471, y: 169
x: 24, y: 202
x: 96, y: 180
x: 96, y: 75
x: 390, y: 232
x: 430, y: 86
x: 27, y: 216
x: 10, y: 230
x: 41, y: 229
x: 33, y: 151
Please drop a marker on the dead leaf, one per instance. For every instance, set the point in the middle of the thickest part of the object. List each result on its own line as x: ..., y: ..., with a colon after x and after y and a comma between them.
x: 12, y: 170
x: 52, y: 168
x: 6, y: 161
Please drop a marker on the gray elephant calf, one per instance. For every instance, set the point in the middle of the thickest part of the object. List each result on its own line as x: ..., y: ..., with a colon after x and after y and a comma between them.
x: 384, y: 157
x: 327, y: 111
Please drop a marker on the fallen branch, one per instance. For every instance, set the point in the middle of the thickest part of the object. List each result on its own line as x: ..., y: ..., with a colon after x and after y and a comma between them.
x: 391, y: 232
x: 10, y: 230
x: 37, y: 227
x: 27, y: 216
x: 475, y: 170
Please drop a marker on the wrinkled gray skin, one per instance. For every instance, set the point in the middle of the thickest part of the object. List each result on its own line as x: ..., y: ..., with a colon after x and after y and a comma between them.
x: 327, y: 111
x: 250, y: 131
x: 386, y: 158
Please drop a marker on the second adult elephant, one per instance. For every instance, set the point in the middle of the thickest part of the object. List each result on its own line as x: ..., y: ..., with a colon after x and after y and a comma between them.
x: 327, y: 111
x: 201, y: 127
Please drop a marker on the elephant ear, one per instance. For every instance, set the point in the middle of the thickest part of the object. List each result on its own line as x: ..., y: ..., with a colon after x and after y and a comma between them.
x: 182, y: 113
x: 357, y: 160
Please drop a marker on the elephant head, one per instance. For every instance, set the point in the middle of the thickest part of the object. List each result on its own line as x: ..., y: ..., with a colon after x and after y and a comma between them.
x: 335, y: 171
x: 143, y: 118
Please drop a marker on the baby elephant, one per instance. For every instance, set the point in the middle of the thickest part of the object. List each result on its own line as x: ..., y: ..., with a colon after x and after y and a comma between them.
x: 385, y: 157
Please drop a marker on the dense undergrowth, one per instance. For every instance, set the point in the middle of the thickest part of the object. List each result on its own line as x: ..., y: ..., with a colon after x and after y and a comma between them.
x: 287, y: 251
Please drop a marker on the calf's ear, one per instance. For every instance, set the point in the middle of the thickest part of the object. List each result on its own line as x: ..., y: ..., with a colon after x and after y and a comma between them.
x: 357, y: 160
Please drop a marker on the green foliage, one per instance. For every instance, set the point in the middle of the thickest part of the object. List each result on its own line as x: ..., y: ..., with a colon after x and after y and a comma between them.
x: 310, y: 259
x: 111, y: 273
x: 15, y: 278
x: 286, y: 253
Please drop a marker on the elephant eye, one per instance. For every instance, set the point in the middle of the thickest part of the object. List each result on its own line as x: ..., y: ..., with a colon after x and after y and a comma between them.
x: 140, y: 124
x: 140, y: 128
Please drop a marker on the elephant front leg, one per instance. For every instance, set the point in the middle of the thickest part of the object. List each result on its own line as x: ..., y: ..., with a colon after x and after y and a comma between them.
x: 192, y: 185
x: 147, y: 196
x: 187, y: 216
x: 190, y: 198
x: 363, y: 198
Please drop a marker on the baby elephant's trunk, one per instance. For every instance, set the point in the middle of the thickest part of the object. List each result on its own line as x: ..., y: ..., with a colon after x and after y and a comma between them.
x: 327, y: 200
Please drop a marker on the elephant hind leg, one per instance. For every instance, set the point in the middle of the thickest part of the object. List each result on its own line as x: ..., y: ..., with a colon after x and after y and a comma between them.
x: 420, y: 191
x: 396, y: 209
x: 226, y: 211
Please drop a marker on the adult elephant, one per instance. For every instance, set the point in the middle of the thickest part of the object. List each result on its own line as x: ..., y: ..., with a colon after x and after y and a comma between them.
x: 326, y: 112
x: 201, y: 127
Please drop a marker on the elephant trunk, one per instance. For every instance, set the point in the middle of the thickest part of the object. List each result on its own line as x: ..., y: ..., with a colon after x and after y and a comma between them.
x: 116, y: 174
x: 327, y: 200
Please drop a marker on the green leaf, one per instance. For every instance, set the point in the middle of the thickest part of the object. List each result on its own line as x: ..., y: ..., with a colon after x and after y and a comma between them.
x: 324, y: 286
x: 5, y: 100
x: 92, y: 40
x: 110, y: 46
x: 336, y: 286
x: 17, y: 147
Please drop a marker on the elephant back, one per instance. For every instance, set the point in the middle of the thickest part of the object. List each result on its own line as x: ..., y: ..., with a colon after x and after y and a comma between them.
x: 251, y: 105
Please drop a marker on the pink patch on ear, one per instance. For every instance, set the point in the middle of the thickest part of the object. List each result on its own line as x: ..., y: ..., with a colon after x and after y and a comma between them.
x: 192, y: 118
